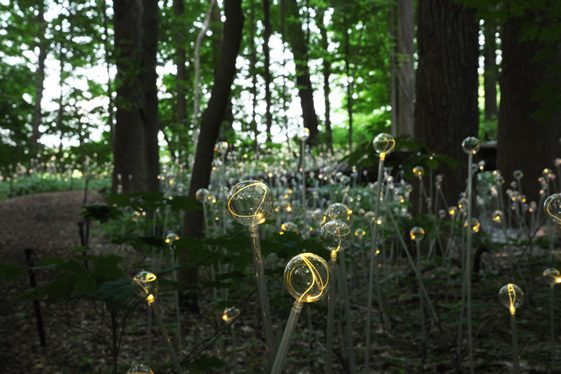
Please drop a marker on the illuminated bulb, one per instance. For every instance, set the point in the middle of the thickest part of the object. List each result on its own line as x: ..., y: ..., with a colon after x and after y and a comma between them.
x: 462, y: 204
x: 360, y: 233
x: 511, y: 297
x: 473, y: 224
x: 333, y: 234
x: 417, y: 233
x: 288, y: 227
x: 470, y: 145
x: 383, y: 144
x: 418, y: 171
x: 230, y: 314
x: 306, y: 277
x: 221, y: 148
x: 148, y: 285
x: 497, y: 216
x: 250, y: 202
x: 339, y: 212
x: 201, y: 194
x: 552, y: 206
x: 303, y: 134
x: 552, y: 276
x: 171, y: 237
x: 139, y: 369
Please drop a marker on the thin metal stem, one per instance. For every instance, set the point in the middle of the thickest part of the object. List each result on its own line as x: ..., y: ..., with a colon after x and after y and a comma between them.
x: 167, y: 340
x: 280, y: 357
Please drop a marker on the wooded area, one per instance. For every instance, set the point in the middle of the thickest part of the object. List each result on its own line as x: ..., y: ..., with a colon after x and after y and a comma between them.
x: 390, y: 164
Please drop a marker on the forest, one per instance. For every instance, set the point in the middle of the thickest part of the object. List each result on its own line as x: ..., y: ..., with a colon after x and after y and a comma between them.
x: 275, y: 186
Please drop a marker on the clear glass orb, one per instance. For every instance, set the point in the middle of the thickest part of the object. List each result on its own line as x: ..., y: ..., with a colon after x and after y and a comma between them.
x: 442, y: 214
x: 470, y: 145
x: 462, y: 204
x: 230, y: 314
x: 147, y: 283
x: 511, y: 297
x: 288, y: 227
x: 201, y: 194
x: 518, y: 174
x: 360, y: 233
x: 137, y: 368
x: 306, y: 277
x: 552, y: 206
x: 221, y: 147
x: 333, y: 235
x: 303, y: 134
x: 417, y: 233
x: 171, y: 237
x: 383, y: 144
x: 317, y: 216
x: 497, y: 216
x: 474, y: 224
x: 552, y: 276
x: 339, y: 212
x: 418, y: 171
x: 250, y: 202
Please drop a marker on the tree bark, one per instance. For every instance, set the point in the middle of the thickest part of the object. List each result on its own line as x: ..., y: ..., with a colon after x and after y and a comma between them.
x: 297, y: 41
x: 326, y: 71
x: 253, y: 72
x: 405, y: 70
x: 150, y: 111
x: 129, y: 147
x: 394, y: 85
x: 528, y: 136
x: 39, y: 77
x: 490, y: 72
x: 446, y: 93
x: 107, y: 51
x: 266, y: 67
x: 350, y: 84
x: 181, y: 71
x: 212, y: 118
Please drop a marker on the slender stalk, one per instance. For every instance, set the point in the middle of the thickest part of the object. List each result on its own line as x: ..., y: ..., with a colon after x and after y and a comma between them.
x: 515, y: 358
x: 280, y: 357
x: 262, y: 289
x: 348, y: 333
x: 149, y: 336
x: 421, y: 303
x: 167, y: 340
x: 552, y: 325
x: 467, y: 273
x: 372, y: 262
x: 331, y: 312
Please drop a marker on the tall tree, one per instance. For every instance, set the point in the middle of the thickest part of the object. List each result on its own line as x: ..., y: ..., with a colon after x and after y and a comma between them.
x: 297, y: 40
x: 326, y: 72
x: 529, y: 114
x: 491, y: 71
x: 181, y: 69
x: 129, y: 149
x: 39, y: 75
x: 446, y: 84
x: 212, y: 117
x: 266, y: 67
x: 150, y: 89
x: 405, y: 71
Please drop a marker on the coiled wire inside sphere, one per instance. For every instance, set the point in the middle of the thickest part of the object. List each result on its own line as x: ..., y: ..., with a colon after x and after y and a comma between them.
x: 306, y: 277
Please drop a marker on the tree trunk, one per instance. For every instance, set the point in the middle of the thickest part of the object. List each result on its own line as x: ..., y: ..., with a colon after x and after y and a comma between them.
x: 394, y: 85
x: 129, y: 159
x: 39, y: 78
x: 446, y: 93
x: 491, y: 72
x: 181, y: 72
x: 297, y: 40
x: 266, y: 67
x: 405, y: 70
x: 528, y: 135
x: 350, y: 83
x: 212, y: 118
x: 107, y: 51
x: 253, y: 72
x: 326, y: 71
x: 150, y: 89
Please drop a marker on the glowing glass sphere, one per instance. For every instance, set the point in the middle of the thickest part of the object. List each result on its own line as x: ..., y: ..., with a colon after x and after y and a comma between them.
x: 473, y: 224
x: 552, y: 276
x: 417, y: 234
x: 518, y: 174
x: 147, y: 283
x: 552, y: 206
x: 339, y: 212
x: 250, y: 202
x: 470, y: 145
x: 289, y: 227
x: 201, y: 194
x: 418, y: 171
x: 230, y: 314
x: 497, y: 216
x: 171, y: 237
x: 221, y: 148
x: 511, y: 297
x: 303, y: 133
x: 360, y: 233
x: 139, y: 369
x: 333, y: 234
x: 383, y: 144
x: 306, y: 277
x: 452, y: 211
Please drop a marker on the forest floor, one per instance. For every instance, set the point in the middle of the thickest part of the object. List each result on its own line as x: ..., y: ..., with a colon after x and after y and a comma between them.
x: 79, y: 335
